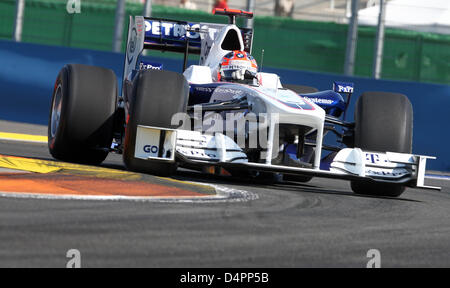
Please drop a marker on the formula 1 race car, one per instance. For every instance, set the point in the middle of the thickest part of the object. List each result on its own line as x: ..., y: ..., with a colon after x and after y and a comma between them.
x: 218, y: 117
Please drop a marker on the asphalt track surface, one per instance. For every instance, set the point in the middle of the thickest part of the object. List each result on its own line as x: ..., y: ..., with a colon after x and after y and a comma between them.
x: 319, y: 224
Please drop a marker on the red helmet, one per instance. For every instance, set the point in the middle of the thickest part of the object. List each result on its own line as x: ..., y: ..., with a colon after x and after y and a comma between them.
x: 236, y: 66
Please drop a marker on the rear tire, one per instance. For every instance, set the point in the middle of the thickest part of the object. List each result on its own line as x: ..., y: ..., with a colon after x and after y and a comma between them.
x: 156, y: 96
x: 383, y: 122
x: 82, y: 113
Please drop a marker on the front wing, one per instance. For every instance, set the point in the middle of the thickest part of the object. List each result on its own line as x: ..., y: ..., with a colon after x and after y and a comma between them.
x: 195, y: 148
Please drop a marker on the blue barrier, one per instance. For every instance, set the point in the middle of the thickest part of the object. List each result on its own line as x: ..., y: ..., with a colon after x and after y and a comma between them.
x: 28, y: 72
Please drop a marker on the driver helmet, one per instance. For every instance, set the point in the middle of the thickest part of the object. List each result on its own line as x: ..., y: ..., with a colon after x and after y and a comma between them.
x: 237, y: 66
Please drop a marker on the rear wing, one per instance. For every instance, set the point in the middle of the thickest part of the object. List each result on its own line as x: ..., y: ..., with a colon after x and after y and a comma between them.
x: 173, y: 36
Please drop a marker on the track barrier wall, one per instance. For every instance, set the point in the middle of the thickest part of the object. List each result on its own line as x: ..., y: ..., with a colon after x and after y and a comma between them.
x: 287, y: 43
x: 28, y: 72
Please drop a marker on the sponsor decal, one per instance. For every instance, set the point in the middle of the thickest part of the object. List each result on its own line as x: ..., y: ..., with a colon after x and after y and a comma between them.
x: 204, y: 89
x: 236, y: 64
x: 150, y: 66
x: 386, y: 172
x: 172, y: 30
x: 375, y: 158
x: 132, y: 45
x: 151, y: 149
x: 320, y: 100
x: 226, y: 90
x: 343, y: 87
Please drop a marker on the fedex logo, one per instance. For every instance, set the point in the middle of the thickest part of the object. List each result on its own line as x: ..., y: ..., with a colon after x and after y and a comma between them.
x: 343, y: 87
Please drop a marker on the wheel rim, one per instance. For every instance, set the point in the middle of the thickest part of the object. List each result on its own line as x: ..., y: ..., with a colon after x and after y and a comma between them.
x: 56, y: 111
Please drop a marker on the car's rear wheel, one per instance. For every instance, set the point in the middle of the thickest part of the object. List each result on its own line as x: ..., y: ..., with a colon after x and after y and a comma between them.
x: 383, y: 122
x: 82, y: 113
x: 156, y: 96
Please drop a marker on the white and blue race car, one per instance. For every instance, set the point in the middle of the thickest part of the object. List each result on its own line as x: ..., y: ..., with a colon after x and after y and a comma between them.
x: 258, y: 129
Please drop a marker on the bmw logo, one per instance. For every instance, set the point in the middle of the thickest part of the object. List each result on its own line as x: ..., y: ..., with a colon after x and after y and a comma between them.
x: 240, y: 55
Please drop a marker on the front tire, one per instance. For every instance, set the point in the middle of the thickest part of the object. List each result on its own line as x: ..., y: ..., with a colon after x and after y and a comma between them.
x: 156, y: 97
x: 383, y: 122
x: 82, y: 113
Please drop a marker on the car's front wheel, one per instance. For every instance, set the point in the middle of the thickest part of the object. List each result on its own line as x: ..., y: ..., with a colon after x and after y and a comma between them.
x: 81, y: 120
x: 383, y: 123
x: 156, y: 97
